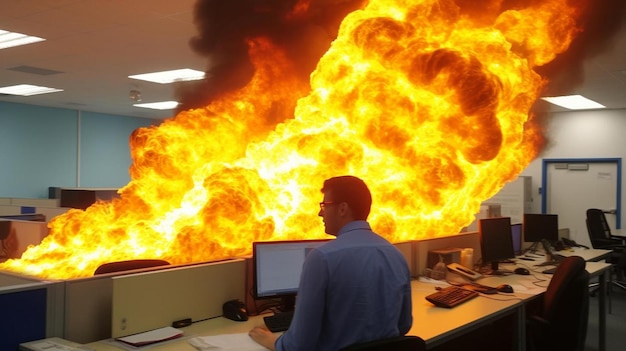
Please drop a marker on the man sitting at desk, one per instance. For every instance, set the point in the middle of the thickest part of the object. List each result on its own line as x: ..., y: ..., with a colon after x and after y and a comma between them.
x: 353, y: 289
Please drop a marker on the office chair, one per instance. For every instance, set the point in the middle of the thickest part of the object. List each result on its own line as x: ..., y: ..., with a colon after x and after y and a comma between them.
x: 561, y: 322
x: 396, y: 343
x: 601, y: 238
x: 128, y: 265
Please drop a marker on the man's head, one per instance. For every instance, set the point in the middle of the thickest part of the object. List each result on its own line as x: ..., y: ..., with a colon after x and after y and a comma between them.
x: 346, y: 199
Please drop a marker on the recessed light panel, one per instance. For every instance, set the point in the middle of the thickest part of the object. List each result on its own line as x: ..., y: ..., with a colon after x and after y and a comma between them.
x: 11, y: 39
x: 27, y: 90
x: 163, y: 105
x: 573, y: 102
x: 166, y: 77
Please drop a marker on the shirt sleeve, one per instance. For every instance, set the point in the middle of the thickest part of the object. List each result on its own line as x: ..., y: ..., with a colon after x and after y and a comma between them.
x: 305, y: 328
x: 406, y: 317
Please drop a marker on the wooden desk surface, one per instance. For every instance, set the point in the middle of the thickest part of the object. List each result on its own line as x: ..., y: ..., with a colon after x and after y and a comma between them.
x: 436, y: 325
x: 433, y: 324
x: 587, y: 254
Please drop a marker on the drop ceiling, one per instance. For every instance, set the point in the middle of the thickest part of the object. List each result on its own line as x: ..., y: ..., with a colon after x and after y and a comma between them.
x: 93, y: 46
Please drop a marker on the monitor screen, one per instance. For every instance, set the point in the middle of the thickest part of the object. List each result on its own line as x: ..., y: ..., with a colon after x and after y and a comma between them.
x: 496, y: 242
x: 541, y: 226
x: 516, y: 235
x: 277, y: 268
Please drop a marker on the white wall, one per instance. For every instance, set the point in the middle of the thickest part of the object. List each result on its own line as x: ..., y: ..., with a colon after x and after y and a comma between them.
x: 581, y: 134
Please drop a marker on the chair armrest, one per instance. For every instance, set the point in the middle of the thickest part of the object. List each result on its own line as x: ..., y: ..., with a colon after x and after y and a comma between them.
x: 608, y: 244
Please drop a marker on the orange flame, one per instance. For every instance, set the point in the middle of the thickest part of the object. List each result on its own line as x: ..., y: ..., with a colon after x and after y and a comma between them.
x: 429, y: 105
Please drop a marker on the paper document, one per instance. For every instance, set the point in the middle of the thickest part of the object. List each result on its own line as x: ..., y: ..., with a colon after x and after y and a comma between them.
x: 151, y: 336
x: 239, y: 342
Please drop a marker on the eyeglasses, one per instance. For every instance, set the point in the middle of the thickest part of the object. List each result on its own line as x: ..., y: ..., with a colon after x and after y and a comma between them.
x: 323, y: 204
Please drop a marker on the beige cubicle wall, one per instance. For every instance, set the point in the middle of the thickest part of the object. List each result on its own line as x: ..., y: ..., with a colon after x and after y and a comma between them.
x: 21, y: 234
x: 150, y: 300
x: 457, y: 241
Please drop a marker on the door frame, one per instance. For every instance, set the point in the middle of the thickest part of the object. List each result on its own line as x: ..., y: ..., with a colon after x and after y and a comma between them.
x: 618, y: 196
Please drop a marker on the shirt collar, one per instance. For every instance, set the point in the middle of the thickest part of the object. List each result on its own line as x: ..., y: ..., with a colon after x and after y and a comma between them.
x: 356, y: 225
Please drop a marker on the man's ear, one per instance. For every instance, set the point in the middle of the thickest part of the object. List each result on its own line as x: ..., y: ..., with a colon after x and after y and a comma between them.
x: 345, y: 210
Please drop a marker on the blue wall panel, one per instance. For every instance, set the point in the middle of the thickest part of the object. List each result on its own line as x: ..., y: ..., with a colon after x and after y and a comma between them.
x: 105, y: 150
x: 40, y: 148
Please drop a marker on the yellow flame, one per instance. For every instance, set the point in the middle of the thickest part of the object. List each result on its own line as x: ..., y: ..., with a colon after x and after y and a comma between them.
x: 426, y: 103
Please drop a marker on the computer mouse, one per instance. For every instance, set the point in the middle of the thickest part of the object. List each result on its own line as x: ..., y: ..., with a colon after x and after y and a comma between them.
x: 505, y: 288
x: 521, y: 271
x: 235, y: 310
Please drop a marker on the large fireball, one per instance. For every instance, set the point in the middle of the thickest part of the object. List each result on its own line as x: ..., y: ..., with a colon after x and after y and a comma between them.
x: 429, y: 104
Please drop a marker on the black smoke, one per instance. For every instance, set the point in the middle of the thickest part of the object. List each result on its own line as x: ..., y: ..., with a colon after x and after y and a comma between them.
x: 600, y: 23
x: 303, y: 29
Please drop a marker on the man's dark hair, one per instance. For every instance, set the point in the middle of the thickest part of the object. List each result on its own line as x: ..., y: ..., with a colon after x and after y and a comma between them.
x: 351, y: 190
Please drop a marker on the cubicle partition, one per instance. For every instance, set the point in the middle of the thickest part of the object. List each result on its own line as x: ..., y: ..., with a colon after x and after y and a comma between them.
x: 17, y: 235
x: 87, y: 308
x: 421, y: 248
x: 29, y: 309
x: 150, y: 300
x: 99, y: 307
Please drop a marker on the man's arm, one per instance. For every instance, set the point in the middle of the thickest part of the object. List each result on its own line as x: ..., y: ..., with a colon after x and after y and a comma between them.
x: 264, y: 337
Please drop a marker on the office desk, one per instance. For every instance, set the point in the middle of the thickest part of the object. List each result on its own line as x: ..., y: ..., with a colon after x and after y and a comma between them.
x: 589, y: 255
x: 438, y: 325
x: 213, y: 326
x: 433, y: 324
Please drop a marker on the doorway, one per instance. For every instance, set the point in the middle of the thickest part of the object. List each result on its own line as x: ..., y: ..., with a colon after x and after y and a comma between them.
x: 571, y: 186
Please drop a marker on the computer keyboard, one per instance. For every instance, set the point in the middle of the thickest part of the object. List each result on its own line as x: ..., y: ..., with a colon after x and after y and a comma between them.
x: 451, y: 296
x: 278, y: 322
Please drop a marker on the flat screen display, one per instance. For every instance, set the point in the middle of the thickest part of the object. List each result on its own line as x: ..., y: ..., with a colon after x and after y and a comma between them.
x: 516, y: 235
x: 278, y: 265
x: 496, y: 241
x: 541, y: 226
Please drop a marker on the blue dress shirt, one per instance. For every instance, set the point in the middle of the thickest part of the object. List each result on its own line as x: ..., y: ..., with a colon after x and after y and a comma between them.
x: 353, y: 289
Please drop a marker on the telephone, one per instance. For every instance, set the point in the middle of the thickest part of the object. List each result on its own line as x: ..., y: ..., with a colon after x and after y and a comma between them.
x: 464, y: 271
x: 571, y: 243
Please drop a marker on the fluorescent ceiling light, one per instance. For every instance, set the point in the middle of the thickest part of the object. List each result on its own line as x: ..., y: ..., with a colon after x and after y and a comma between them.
x: 165, y: 77
x: 27, y: 90
x: 573, y: 102
x: 163, y: 105
x: 11, y: 39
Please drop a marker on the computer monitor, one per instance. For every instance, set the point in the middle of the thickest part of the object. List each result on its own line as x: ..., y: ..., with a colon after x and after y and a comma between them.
x: 277, y: 269
x: 538, y: 227
x: 516, y: 235
x: 496, y: 242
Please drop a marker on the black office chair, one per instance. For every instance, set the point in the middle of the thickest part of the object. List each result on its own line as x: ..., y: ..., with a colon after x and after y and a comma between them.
x: 601, y: 238
x: 561, y: 322
x: 128, y: 265
x: 397, y: 343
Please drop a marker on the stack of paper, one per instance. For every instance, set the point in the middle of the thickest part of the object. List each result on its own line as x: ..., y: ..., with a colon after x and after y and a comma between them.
x: 151, y: 336
x: 238, y: 342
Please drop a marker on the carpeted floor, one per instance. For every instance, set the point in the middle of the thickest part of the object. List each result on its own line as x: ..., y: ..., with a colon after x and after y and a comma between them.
x: 615, y: 323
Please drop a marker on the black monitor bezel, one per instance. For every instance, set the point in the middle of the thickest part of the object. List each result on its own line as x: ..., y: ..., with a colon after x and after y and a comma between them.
x: 492, y: 252
x: 532, y: 235
x: 286, y: 296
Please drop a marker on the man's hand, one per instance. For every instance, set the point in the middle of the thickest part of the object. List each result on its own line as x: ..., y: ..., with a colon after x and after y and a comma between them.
x: 264, y: 337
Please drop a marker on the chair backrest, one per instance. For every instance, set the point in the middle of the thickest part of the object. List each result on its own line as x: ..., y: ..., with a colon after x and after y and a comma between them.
x: 128, y: 265
x: 597, y: 225
x: 397, y: 343
x: 599, y: 230
x: 566, y: 306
